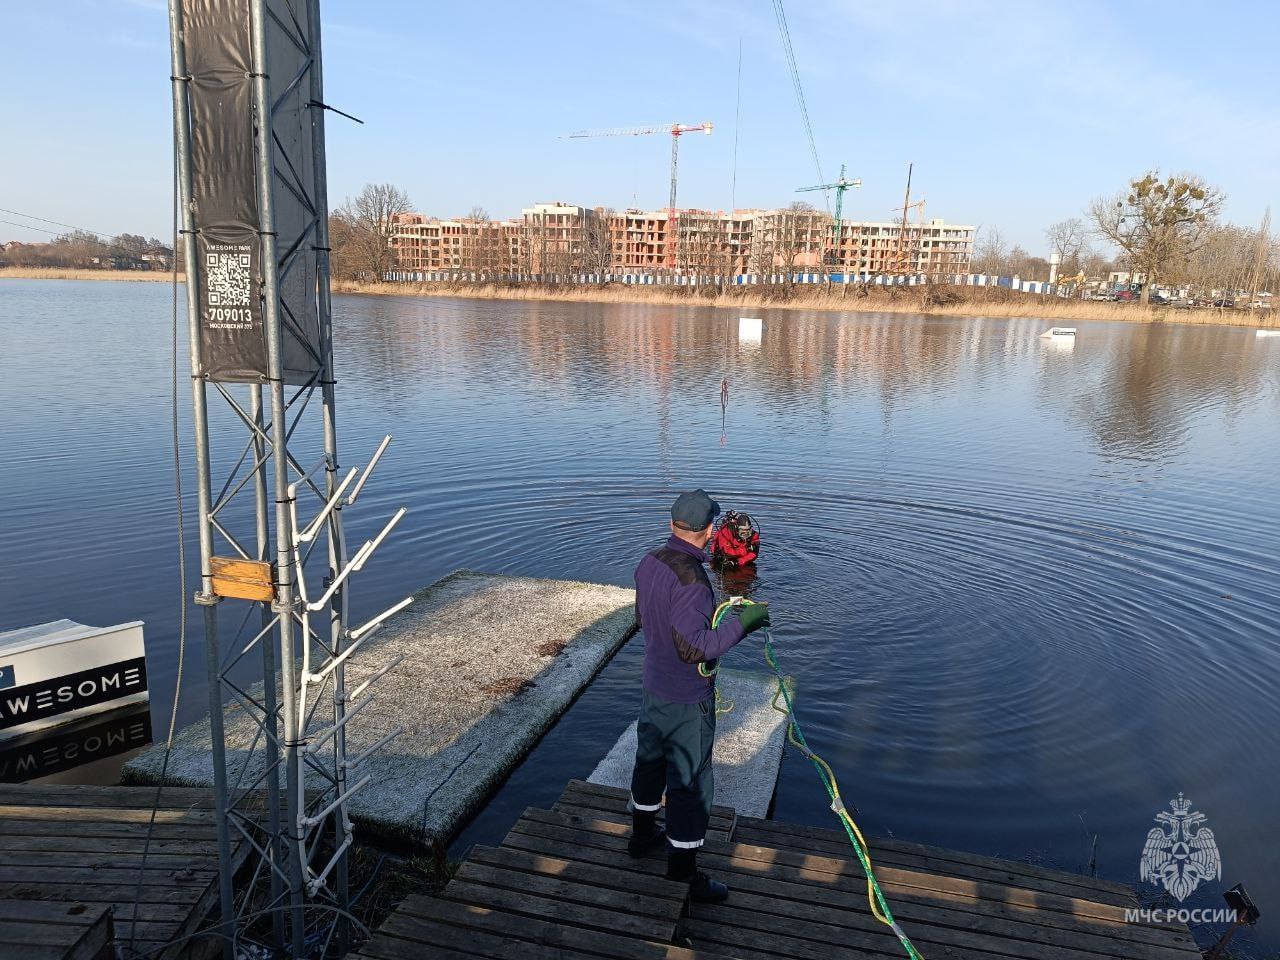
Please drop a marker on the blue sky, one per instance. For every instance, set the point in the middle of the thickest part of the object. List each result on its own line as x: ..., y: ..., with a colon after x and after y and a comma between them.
x: 1015, y: 114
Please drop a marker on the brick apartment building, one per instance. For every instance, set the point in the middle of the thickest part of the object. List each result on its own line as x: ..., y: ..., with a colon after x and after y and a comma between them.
x: 564, y: 238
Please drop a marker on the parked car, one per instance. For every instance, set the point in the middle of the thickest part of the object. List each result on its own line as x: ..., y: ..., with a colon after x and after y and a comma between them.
x: 1157, y: 299
x: 1225, y: 302
x: 1125, y: 296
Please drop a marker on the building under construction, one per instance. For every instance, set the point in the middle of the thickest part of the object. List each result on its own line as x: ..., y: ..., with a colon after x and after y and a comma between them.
x: 564, y: 238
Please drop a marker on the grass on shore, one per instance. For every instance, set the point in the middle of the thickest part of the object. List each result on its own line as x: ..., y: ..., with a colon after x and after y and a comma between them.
x: 941, y: 300
x: 78, y: 273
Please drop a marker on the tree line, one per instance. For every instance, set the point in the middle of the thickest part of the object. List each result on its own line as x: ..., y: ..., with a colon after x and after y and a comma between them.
x: 1167, y: 229
x: 81, y: 249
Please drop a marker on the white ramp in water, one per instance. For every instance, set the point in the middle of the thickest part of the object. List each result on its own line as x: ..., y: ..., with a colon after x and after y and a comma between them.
x: 748, y: 752
x: 489, y: 663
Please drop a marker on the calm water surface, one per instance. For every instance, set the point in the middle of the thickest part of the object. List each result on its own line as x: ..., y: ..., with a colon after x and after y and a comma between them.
x: 1029, y: 593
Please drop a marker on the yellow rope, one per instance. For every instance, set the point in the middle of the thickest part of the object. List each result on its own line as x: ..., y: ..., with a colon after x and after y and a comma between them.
x: 782, y: 703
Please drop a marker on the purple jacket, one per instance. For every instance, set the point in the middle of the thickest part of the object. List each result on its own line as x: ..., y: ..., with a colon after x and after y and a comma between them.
x: 674, y: 605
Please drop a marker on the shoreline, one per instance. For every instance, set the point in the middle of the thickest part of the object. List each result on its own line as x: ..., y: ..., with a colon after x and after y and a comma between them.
x: 946, y: 301
x: 938, y: 301
x: 79, y: 273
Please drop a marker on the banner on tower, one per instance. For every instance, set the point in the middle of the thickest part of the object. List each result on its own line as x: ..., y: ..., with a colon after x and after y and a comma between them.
x: 224, y: 140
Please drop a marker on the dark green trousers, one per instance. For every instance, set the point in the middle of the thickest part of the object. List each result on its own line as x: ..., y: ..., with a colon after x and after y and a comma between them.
x: 673, y: 755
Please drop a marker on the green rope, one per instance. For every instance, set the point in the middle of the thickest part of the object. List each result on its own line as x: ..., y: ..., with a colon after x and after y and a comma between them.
x: 876, y: 899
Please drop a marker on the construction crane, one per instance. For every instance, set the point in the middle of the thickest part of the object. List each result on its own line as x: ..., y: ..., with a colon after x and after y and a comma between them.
x: 901, y: 264
x: 840, y: 186
x: 917, y: 205
x: 676, y: 130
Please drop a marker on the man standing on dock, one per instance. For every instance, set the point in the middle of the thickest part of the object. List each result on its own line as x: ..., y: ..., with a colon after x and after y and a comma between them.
x: 677, y: 726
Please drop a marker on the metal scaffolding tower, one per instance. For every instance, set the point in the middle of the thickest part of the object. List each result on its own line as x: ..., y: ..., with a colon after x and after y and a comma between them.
x: 248, y: 111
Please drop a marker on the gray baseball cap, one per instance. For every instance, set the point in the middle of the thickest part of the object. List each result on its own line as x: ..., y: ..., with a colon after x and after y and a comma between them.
x: 694, y: 510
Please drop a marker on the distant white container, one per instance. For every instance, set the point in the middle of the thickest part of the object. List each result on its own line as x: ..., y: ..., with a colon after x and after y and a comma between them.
x: 1268, y: 333
x: 1056, y: 332
x: 51, y: 673
x: 750, y: 329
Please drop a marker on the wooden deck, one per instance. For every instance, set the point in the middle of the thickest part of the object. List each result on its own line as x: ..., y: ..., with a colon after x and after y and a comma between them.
x: 70, y: 855
x: 561, y: 887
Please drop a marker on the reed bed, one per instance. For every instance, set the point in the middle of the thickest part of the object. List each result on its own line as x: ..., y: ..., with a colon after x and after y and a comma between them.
x: 78, y: 273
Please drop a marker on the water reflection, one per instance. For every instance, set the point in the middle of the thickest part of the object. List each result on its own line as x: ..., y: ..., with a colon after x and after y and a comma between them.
x: 1016, y: 584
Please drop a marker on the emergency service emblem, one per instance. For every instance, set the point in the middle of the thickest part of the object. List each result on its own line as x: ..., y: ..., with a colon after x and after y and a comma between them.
x: 1180, y: 854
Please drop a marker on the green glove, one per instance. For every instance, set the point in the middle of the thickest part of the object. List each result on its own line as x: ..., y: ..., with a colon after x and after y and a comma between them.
x: 753, y: 616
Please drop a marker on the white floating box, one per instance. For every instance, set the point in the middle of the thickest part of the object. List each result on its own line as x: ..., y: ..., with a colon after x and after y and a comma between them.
x: 750, y: 328
x: 52, y: 673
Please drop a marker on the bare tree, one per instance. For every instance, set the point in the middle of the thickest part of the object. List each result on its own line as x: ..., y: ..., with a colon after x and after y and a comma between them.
x: 1158, y: 224
x: 597, y: 242
x: 1066, y: 239
x: 366, y: 224
x: 990, y: 253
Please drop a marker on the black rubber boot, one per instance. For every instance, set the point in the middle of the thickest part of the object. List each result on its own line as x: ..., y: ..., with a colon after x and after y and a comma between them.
x: 682, y: 866
x: 646, y: 836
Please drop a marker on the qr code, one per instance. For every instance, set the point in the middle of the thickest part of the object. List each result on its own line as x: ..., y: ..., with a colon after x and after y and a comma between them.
x: 228, y: 279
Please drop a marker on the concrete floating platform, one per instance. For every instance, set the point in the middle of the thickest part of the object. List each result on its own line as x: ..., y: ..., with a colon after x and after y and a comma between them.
x: 748, y: 751
x: 490, y: 663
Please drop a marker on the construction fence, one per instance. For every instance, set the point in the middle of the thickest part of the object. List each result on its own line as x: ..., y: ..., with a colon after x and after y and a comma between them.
x: 775, y: 279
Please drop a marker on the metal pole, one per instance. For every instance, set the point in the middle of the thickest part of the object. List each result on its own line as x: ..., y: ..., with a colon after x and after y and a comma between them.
x: 205, y: 597
x: 285, y: 603
x: 337, y: 538
x: 271, y: 745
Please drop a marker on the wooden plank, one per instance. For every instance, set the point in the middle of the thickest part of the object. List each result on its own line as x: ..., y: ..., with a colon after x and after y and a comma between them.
x: 434, y: 935
x: 76, y: 795
x: 824, y: 871
x: 720, y: 831
x: 920, y: 865
x: 96, y: 942
x: 813, y: 869
x: 100, y: 846
x: 560, y: 911
x: 967, y: 932
x: 749, y: 945
x: 568, y: 867
x: 175, y: 872
x: 100, y: 814
x: 28, y: 932
x: 823, y: 840
x: 615, y: 798
x: 584, y: 853
x: 604, y: 808
x: 169, y: 862
x: 850, y: 893
x: 616, y: 794
x: 530, y: 929
x: 52, y: 913
x: 138, y: 831
x: 92, y: 892
x: 556, y: 888
x: 65, y: 931
x: 242, y: 579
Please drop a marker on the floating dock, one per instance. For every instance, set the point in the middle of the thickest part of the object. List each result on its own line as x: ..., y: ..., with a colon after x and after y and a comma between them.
x: 488, y: 664
x: 71, y: 866
x: 562, y: 887
x: 748, y: 750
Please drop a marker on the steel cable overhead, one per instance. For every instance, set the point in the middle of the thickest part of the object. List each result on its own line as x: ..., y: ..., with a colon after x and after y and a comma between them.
x: 58, y: 223
x: 781, y: 15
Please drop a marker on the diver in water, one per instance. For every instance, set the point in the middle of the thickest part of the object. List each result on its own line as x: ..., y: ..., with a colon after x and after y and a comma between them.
x: 677, y: 725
